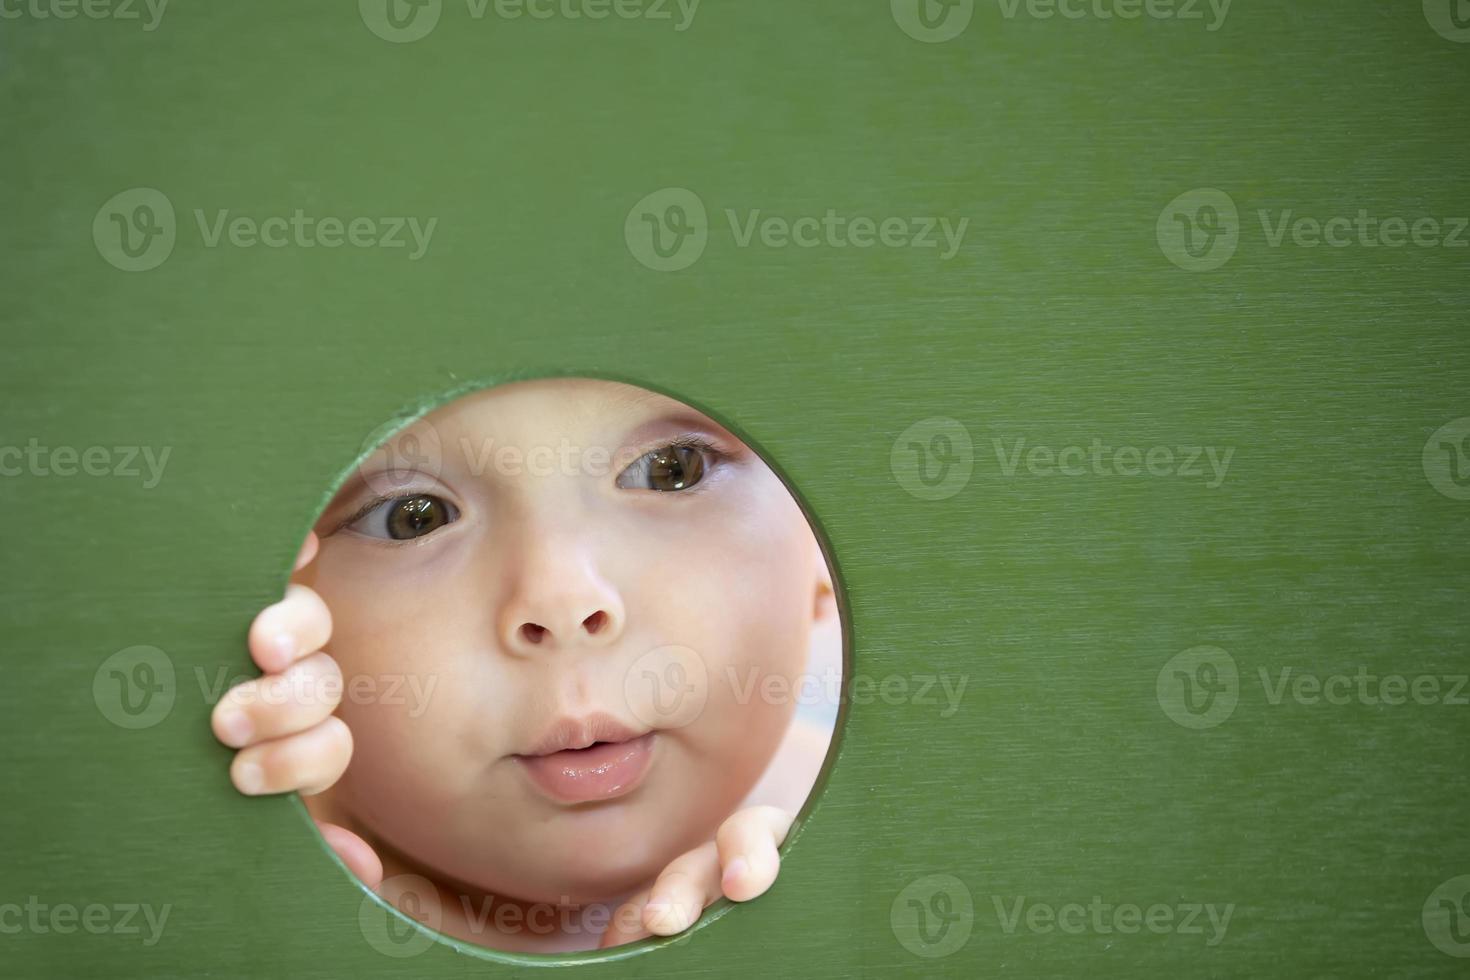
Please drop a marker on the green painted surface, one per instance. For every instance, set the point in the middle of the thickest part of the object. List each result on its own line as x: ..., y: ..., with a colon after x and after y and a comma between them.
x: 1331, y: 831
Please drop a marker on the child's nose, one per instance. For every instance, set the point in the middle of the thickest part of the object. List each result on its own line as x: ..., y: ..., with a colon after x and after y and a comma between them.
x: 582, y: 612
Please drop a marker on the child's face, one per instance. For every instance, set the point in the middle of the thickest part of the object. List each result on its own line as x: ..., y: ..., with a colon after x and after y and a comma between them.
x: 543, y: 588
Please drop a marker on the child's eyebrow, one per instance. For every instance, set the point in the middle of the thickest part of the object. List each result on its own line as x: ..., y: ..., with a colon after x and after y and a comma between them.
x: 681, y: 419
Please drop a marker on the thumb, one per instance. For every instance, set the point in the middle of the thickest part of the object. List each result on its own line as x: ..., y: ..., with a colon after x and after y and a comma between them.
x: 308, y: 551
x: 355, y: 852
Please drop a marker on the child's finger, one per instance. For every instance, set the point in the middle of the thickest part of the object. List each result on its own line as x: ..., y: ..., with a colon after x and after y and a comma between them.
x: 683, y: 889
x: 279, y: 704
x: 308, y: 551
x: 307, y: 762
x: 627, y: 923
x: 355, y: 852
x: 747, y: 843
x: 298, y: 625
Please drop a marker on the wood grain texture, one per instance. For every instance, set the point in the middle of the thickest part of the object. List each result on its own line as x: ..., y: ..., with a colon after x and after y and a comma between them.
x: 1057, y: 599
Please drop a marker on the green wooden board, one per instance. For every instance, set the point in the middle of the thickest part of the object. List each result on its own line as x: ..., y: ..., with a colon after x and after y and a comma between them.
x: 1152, y: 645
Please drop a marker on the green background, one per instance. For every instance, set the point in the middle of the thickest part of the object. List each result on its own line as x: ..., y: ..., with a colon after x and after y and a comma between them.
x: 1060, y: 598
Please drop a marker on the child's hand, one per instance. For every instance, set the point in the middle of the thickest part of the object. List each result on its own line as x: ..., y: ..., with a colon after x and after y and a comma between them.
x: 282, y: 722
x: 739, y: 864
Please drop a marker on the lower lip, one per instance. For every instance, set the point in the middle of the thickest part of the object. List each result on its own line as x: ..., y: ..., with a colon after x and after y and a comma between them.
x: 601, y: 772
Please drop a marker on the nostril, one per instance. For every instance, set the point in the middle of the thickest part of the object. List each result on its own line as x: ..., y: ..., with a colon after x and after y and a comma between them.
x: 532, y: 632
x: 595, y: 622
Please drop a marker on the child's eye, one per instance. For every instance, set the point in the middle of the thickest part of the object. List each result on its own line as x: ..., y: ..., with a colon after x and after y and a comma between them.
x: 405, y: 517
x: 674, y: 467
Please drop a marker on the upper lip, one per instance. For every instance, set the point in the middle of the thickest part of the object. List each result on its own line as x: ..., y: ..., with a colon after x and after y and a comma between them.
x: 579, y: 733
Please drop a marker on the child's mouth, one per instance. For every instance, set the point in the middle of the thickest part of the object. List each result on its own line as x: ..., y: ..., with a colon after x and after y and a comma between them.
x: 601, y: 771
x: 570, y: 767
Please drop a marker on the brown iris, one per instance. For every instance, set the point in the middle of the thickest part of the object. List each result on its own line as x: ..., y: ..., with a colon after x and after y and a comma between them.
x: 675, y: 468
x: 413, y: 517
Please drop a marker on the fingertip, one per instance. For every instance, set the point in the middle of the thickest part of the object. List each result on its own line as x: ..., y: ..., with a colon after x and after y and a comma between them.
x: 287, y: 630
x: 248, y: 776
x: 231, y: 725
x: 666, y: 918
x: 745, y: 879
x: 355, y: 852
x: 734, y: 872
x: 309, y: 549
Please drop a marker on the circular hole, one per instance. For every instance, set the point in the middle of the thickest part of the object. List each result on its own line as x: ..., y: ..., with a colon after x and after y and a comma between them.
x: 581, y: 626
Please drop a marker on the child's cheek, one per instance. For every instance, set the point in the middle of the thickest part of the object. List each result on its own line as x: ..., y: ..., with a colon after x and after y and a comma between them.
x: 743, y: 601
x: 418, y: 690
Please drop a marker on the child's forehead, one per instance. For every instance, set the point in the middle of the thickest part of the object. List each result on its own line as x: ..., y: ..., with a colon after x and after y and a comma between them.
x: 562, y: 406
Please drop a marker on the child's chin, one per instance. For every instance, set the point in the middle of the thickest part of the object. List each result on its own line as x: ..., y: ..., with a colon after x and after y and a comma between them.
x: 579, y: 873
